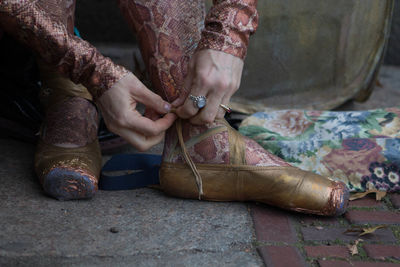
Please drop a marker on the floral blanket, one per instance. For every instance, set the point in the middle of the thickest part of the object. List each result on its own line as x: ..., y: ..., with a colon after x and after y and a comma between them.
x: 360, y: 148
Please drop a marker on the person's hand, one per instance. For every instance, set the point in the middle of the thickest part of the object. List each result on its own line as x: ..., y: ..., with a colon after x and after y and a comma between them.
x: 118, y: 108
x: 215, y: 75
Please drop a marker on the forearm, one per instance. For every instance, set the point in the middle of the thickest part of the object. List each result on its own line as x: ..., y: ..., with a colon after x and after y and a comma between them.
x: 228, y: 26
x: 82, y: 63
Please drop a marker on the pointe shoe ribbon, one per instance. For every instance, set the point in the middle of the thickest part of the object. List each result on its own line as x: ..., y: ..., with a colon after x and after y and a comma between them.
x: 237, y: 149
x: 189, y: 160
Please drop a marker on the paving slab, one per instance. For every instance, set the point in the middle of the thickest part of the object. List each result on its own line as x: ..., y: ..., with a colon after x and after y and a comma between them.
x: 140, y: 227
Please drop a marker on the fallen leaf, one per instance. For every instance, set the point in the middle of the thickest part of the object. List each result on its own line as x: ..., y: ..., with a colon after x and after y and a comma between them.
x: 378, y: 194
x: 353, y: 248
x: 371, y: 230
x: 363, y: 230
x: 319, y: 227
x: 357, y: 196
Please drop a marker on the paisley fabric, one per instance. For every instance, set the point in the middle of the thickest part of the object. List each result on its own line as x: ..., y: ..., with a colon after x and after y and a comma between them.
x: 168, y: 37
x: 168, y: 31
x: 229, y: 25
x: 360, y: 148
x: 168, y: 34
x: 210, y: 144
x: 71, y: 123
x: 45, y: 27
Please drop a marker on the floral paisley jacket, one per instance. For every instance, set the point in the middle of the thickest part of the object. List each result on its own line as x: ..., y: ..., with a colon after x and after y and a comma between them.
x: 361, y: 148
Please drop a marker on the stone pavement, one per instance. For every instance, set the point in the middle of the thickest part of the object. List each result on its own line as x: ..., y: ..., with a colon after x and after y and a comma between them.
x: 146, y: 228
x: 121, y: 228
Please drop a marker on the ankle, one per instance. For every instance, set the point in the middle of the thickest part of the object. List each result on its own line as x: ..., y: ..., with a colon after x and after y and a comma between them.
x: 71, y: 123
x: 205, y: 143
x: 210, y: 144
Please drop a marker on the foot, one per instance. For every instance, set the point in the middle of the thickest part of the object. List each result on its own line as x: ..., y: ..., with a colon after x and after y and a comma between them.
x: 68, y: 158
x: 215, y: 166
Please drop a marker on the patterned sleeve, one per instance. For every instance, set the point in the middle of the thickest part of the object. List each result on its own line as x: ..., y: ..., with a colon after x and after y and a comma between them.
x: 228, y: 26
x: 26, y: 21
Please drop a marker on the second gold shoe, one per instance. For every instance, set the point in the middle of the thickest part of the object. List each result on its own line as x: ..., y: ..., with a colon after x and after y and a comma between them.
x: 217, y: 163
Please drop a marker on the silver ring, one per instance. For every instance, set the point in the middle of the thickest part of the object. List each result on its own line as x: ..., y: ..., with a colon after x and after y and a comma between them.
x: 199, y: 101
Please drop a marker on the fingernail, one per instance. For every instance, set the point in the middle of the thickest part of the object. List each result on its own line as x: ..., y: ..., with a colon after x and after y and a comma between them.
x: 167, y: 107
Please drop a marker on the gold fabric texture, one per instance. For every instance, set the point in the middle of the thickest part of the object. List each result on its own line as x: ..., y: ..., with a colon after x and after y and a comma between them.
x: 84, y: 160
x: 285, y: 187
x: 43, y: 31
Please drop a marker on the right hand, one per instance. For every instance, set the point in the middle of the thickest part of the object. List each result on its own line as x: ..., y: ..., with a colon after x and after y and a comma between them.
x: 118, y: 108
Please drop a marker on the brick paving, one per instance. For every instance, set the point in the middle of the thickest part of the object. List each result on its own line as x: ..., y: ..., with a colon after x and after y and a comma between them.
x: 290, y: 239
x: 282, y: 256
x: 382, y: 251
x: 395, y: 198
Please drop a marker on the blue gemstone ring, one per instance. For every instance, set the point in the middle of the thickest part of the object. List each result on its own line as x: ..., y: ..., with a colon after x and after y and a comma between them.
x: 199, y: 101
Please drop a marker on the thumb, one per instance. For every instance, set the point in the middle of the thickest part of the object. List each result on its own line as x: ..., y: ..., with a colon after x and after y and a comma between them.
x: 151, y: 100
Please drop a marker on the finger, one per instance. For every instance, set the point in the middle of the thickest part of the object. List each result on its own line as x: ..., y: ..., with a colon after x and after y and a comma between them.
x: 148, y: 127
x: 150, y: 99
x: 209, y: 112
x: 151, y: 114
x: 189, y: 108
x: 139, y: 141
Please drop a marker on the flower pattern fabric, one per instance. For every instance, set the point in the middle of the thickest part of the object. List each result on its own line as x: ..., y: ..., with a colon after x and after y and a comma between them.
x: 360, y: 148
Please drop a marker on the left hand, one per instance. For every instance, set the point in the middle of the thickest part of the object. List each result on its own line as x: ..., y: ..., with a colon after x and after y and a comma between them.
x: 118, y: 107
x: 215, y: 75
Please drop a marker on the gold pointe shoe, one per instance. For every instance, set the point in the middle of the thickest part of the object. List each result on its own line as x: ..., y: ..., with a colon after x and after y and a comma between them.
x: 285, y: 186
x: 66, y: 173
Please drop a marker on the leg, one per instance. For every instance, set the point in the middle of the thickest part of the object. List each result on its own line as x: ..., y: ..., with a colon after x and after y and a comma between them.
x: 67, y: 159
x: 213, y: 161
x: 168, y: 33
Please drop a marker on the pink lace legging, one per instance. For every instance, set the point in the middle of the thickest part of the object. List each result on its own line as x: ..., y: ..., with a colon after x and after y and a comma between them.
x: 168, y: 33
